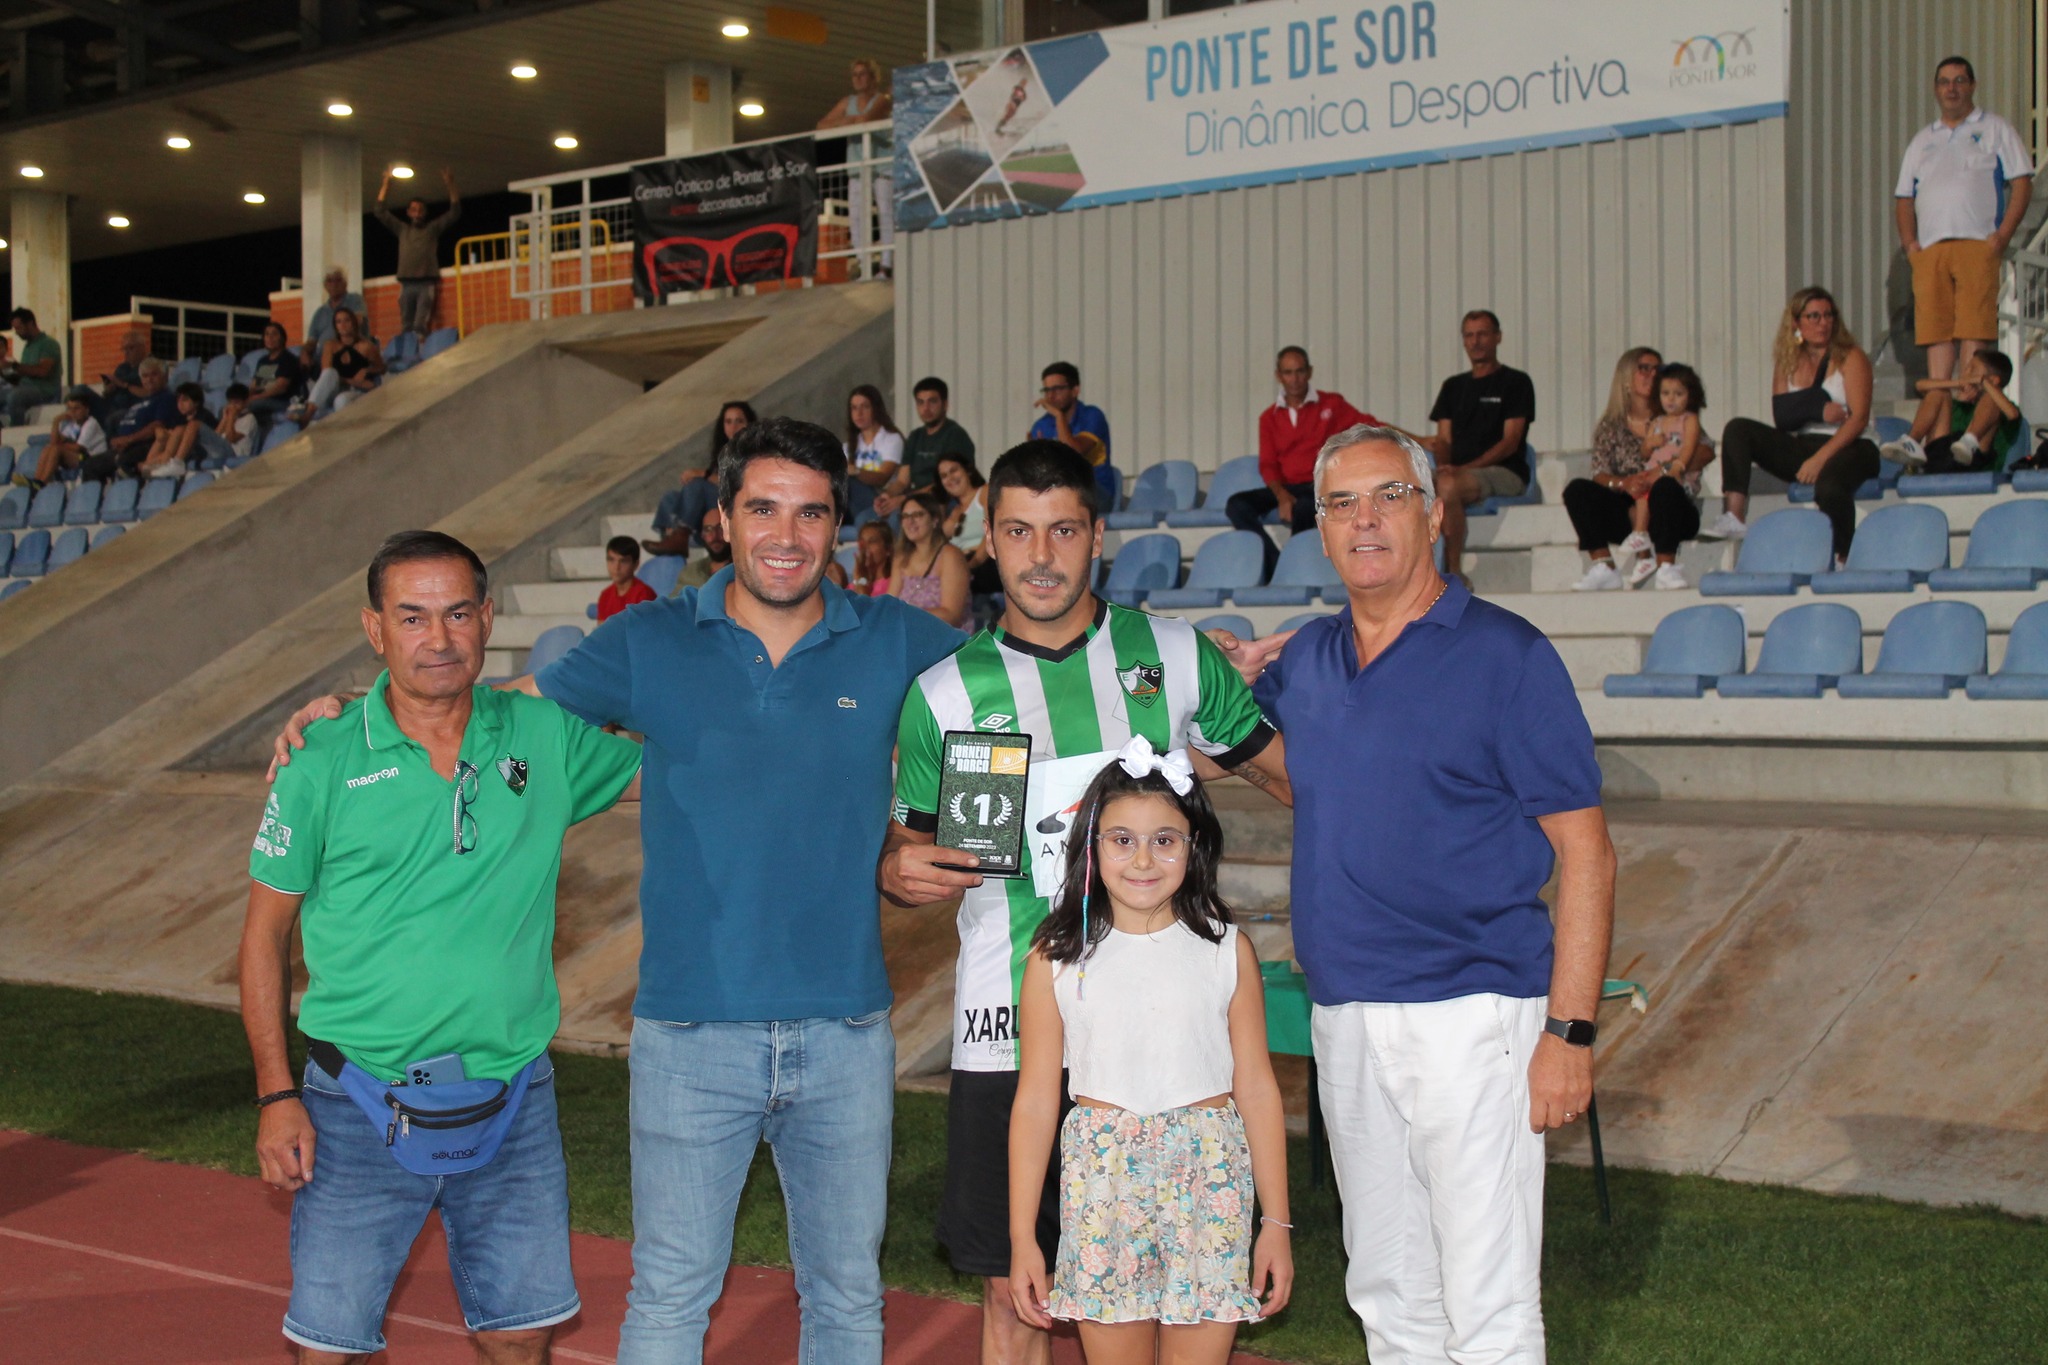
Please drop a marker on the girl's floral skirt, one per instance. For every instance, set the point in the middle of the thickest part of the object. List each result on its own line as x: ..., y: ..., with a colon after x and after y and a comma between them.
x: 1155, y: 1217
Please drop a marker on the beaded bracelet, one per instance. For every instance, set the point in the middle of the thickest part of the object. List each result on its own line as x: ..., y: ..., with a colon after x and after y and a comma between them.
x: 264, y: 1100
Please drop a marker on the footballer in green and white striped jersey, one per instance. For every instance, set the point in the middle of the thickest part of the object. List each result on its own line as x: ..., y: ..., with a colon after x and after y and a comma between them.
x: 1127, y: 674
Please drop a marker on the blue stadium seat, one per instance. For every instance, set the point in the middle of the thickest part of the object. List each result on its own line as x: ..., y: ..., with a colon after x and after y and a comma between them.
x: 1870, y: 490
x: 186, y: 371
x: 1781, y: 551
x: 245, y: 368
x: 7, y: 464
x: 402, y: 352
x: 2008, y: 551
x: 1692, y: 649
x: 282, y: 430
x: 13, y: 508
x: 2030, y: 481
x: 6, y: 551
x: 1530, y: 496
x: 1144, y: 564
x: 106, y: 534
x: 1225, y: 563
x: 193, y: 483
x: 31, y: 555
x: 1109, y: 484
x: 1806, y: 651
x: 1929, y: 649
x: 1948, y: 485
x: 1240, y: 626
x: 1302, y: 572
x: 660, y: 572
x: 82, y: 508
x: 1166, y: 487
x: 69, y: 548
x: 1895, y: 548
x: 553, y: 643
x: 438, y: 341
x: 1297, y: 622
x: 846, y: 559
x: 157, y: 494
x: 2024, y: 674
x: 1231, y: 477
x: 47, y: 507
x: 118, y: 503
x: 19, y: 585
x: 219, y: 372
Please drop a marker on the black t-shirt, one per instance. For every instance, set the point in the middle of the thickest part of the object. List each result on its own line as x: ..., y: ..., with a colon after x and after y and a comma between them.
x: 1479, y: 411
x: 270, y: 369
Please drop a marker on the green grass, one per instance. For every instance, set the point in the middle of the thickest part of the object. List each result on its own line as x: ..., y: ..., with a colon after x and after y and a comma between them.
x: 1693, y: 1270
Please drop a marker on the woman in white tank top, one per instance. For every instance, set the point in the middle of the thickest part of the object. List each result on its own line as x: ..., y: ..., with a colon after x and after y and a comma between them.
x: 1141, y: 985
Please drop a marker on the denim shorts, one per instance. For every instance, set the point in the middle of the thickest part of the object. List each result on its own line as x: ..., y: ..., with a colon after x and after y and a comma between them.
x: 353, y: 1227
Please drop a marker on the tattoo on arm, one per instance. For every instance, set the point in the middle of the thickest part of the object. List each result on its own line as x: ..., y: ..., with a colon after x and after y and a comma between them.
x: 1251, y: 773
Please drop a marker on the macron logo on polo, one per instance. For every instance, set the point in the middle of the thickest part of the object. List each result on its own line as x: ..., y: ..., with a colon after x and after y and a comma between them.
x: 368, y: 778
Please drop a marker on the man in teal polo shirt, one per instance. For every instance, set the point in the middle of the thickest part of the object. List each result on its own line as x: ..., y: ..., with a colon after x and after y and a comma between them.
x: 417, y: 842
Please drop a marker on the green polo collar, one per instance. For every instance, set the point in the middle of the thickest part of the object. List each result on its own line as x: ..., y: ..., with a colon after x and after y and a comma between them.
x: 380, y: 727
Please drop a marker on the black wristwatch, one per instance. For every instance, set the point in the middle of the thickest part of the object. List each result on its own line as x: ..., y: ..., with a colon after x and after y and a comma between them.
x: 1577, y: 1032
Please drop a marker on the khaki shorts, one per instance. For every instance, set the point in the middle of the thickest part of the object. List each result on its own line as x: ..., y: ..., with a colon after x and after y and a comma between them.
x: 1498, y: 481
x: 1955, y: 292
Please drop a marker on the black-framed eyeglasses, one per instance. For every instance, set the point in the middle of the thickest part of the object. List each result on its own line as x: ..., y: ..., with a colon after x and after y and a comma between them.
x: 1050, y: 389
x: 465, y: 796
x: 1391, y: 497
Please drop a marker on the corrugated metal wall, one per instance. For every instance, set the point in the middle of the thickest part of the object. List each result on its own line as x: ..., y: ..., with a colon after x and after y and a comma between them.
x: 1862, y: 85
x: 1174, y: 308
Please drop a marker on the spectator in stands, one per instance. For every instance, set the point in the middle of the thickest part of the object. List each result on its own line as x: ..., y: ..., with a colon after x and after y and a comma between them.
x: 869, y: 102
x: 717, y: 551
x: 966, y: 519
x: 177, y: 438
x: 929, y: 572
x: 1290, y: 434
x: 1068, y: 419
x: 936, y: 435
x: 1973, y: 415
x: 320, y: 330
x: 696, y: 493
x: 1650, y: 505
x: 122, y: 389
x: 279, y: 380
x: 36, y: 376
x: 350, y: 366
x: 621, y: 562
x: 233, y: 434
x: 1482, y: 421
x: 1963, y: 189
x: 1820, y: 405
x: 873, y: 549
x: 419, y: 252
x: 874, y: 449
x: 74, y: 438
x: 135, y: 434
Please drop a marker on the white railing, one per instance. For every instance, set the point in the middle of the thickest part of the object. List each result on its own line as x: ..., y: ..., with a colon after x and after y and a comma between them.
x: 180, y: 329
x: 2023, y: 318
x: 856, y: 227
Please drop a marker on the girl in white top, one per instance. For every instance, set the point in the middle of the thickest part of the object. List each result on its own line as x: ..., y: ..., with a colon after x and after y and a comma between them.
x: 1140, y: 983
x: 874, y: 448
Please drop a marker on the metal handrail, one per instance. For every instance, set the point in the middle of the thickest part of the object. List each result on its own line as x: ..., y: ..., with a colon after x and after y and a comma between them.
x: 183, y: 330
x: 518, y: 251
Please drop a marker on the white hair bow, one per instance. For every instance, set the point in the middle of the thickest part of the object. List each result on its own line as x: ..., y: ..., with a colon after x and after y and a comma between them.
x: 1139, y: 758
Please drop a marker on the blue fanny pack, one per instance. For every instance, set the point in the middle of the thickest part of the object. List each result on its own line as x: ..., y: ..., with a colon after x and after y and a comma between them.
x: 437, y: 1129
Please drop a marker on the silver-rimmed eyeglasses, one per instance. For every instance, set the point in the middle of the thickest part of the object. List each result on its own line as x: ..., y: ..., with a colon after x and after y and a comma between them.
x: 1391, y: 497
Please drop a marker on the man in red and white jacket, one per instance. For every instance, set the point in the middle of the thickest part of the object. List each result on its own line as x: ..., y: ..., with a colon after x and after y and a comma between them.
x: 1290, y: 434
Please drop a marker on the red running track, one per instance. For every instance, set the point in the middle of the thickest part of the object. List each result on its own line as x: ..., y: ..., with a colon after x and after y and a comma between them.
x: 106, y: 1256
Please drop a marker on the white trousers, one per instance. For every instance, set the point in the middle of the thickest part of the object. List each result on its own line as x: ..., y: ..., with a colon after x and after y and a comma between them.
x: 1428, y: 1113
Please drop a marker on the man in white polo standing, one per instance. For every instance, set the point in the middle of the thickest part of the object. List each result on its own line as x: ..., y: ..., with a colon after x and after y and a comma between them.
x: 1963, y: 190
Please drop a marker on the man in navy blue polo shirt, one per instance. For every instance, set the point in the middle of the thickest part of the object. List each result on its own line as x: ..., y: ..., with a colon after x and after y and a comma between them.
x: 769, y: 699
x: 1440, y: 762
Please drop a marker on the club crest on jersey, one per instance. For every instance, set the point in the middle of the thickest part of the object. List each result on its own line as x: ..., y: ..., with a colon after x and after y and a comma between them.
x: 1141, y: 682
x: 513, y: 770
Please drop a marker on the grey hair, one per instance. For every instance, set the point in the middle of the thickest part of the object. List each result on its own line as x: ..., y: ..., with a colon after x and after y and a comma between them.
x: 1421, y: 466
x: 151, y: 365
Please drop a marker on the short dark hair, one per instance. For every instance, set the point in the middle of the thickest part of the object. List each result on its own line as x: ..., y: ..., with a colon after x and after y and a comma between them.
x: 1695, y: 388
x: 625, y: 547
x: 782, y: 438
x: 1063, y: 370
x: 1286, y: 351
x: 409, y: 547
x: 236, y: 390
x: 80, y: 395
x: 280, y: 329
x: 1963, y: 62
x: 931, y: 383
x: 1042, y: 466
x: 193, y: 392
x: 26, y: 315
x: 1492, y: 318
x: 1998, y: 363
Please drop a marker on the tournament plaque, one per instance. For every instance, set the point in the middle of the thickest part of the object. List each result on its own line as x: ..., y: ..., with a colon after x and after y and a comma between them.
x: 981, y: 798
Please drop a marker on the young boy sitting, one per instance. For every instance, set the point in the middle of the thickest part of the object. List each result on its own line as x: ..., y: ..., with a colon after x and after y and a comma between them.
x: 621, y: 558
x: 176, y: 445
x: 73, y: 437
x: 1976, y: 422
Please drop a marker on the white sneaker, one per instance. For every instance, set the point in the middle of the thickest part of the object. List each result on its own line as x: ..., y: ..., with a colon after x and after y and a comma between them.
x: 1638, y: 543
x: 1905, y: 451
x: 1669, y: 578
x: 1727, y: 526
x: 1640, y: 571
x: 1602, y: 577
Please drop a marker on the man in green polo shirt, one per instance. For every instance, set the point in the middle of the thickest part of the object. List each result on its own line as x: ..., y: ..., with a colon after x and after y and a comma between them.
x: 417, y: 843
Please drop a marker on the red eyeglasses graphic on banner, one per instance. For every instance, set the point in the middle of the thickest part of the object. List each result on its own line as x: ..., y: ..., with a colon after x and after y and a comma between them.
x: 765, y: 251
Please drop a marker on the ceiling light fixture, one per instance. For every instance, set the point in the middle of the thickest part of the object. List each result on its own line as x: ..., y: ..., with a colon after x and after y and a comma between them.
x: 115, y: 220
x: 525, y: 71
x: 735, y: 29
x: 566, y: 142
x: 32, y: 172
x: 401, y: 172
x: 752, y: 109
x: 253, y: 197
x: 341, y: 109
x: 178, y: 142
x: 3, y: 244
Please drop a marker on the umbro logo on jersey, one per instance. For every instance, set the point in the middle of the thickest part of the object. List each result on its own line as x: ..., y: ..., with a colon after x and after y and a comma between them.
x: 1141, y: 682
x: 998, y: 721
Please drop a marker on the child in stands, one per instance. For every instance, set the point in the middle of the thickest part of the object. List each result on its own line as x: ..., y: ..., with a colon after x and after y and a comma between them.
x: 73, y: 437
x: 1977, y: 422
x: 1139, y: 981
x: 1674, y: 438
x: 176, y: 445
x: 621, y: 560
x: 874, y: 548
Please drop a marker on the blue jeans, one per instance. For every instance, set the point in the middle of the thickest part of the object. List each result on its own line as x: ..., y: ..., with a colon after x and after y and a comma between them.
x: 822, y: 1093
x: 353, y: 1227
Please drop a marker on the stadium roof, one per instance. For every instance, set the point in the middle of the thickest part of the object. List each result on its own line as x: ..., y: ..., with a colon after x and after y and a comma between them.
x: 439, y: 95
